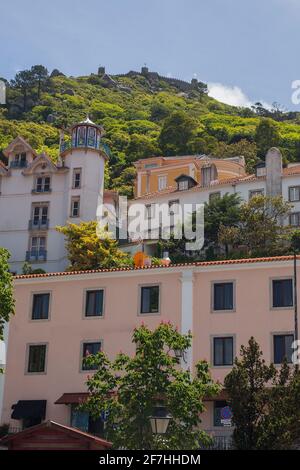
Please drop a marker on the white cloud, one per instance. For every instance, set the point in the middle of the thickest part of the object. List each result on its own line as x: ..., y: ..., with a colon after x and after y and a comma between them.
x: 232, y: 95
x: 228, y: 94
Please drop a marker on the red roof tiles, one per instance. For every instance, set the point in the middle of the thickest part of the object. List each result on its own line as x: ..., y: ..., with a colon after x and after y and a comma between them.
x: 196, y: 263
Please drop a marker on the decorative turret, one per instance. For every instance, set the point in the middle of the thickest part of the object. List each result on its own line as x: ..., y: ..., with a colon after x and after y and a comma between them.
x: 84, y: 135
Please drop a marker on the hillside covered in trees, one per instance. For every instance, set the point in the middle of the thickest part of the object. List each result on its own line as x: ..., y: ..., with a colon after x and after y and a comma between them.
x: 144, y: 115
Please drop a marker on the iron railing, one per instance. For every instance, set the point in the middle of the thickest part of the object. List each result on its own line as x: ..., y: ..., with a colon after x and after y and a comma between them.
x: 36, y: 255
x: 98, y: 146
x: 18, y: 164
x: 39, y: 224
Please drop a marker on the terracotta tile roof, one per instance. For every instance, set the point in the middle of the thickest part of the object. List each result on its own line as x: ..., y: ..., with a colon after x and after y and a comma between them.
x: 145, y: 268
x: 60, y: 427
x: 291, y: 171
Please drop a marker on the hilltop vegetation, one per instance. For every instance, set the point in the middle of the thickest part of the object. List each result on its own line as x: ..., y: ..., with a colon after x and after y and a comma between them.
x: 142, y: 116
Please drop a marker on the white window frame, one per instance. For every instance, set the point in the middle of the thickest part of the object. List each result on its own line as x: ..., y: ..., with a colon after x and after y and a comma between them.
x: 73, y: 200
x: 162, y: 182
x: 294, y: 190
x: 76, y: 171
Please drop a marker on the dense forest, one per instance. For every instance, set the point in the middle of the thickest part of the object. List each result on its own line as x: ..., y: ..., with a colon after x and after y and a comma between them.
x: 144, y: 115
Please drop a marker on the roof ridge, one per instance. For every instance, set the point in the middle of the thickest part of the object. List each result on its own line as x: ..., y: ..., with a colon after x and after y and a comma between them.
x: 175, y: 265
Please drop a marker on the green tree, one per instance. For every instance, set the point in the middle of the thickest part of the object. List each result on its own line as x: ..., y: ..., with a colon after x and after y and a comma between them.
x: 7, y: 303
x: 264, y: 401
x: 129, y: 388
x: 40, y: 76
x: 24, y: 81
x: 261, y: 225
x: 266, y: 136
x: 89, y: 249
x: 220, y: 211
x: 125, y: 182
x: 178, y: 129
x: 243, y: 147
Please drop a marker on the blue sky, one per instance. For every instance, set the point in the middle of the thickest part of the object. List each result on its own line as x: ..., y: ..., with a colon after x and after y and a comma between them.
x: 247, y: 50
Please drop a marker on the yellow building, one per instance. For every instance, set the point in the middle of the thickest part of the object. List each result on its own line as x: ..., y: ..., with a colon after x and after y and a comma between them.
x: 156, y: 174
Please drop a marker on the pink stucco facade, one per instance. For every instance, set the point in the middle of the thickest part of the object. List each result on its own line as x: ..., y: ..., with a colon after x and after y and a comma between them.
x: 185, y: 299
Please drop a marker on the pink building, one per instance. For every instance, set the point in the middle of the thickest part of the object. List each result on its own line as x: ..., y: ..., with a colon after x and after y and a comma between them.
x: 62, y: 316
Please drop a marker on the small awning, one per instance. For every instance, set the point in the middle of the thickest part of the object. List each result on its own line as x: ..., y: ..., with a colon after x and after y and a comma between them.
x: 25, y: 409
x: 72, y: 398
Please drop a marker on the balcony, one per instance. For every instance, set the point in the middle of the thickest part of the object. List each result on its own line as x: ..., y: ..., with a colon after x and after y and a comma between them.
x: 18, y: 164
x: 41, y: 190
x: 98, y: 145
x: 40, y: 224
x: 36, y: 255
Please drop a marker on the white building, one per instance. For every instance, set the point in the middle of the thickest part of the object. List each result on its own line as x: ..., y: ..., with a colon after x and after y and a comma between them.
x: 37, y: 195
x: 270, y: 179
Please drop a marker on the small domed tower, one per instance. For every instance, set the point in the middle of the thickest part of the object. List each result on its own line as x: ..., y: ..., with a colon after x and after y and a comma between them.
x: 84, y: 155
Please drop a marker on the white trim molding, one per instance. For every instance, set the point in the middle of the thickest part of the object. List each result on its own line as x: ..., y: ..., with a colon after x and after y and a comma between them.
x: 187, y: 278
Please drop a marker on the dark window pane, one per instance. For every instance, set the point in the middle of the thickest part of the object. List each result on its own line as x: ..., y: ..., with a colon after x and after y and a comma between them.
x: 37, y: 357
x: 223, y: 296
x: 94, y: 303
x: 87, y: 350
x: 282, y: 293
x: 283, y: 348
x: 149, y: 299
x: 218, y: 406
x: 223, y: 351
x: 40, y: 307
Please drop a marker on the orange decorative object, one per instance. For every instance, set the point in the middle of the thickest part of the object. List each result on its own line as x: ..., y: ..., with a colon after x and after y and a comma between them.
x: 139, y: 259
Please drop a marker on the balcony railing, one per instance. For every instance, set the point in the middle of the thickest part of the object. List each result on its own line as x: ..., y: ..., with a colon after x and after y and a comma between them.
x: 99, y: 146
x: 18, y: 164
x: 220, y: 442
x: 36, y: 255
x: 38, y: 224
x: 41, y: 190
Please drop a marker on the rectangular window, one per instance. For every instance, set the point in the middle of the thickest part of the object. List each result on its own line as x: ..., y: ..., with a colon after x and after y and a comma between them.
x: 294, y: 193
x: 39, y: 215
x: 37, y: 358
x: 94, y: 303
x: 282, y: 293
x: 85, y: 422
x: 223, y: 351
x: 174, y: 207
x: 40, y: 306
x: 75, y: 206
x: 43, y: 184
x: 222, y: 413
x: 76, y: 178
x: 90, y: 348
x: 255, y: 192
x: 214, y: 196
x: 283, y: 348
x: 150, y: 299
x: 162, y: 183
x: 295, y: 219
x: 223, y: 296
x: 183, y: 185
x: 149, y: 211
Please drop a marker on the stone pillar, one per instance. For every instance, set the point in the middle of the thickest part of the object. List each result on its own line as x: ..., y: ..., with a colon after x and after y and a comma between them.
x: 273, y: 172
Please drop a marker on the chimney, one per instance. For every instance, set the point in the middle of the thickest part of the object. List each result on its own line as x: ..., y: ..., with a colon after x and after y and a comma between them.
x: 273, y: 172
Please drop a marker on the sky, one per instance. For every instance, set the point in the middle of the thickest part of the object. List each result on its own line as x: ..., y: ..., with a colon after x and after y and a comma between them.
x: 246, y: 50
